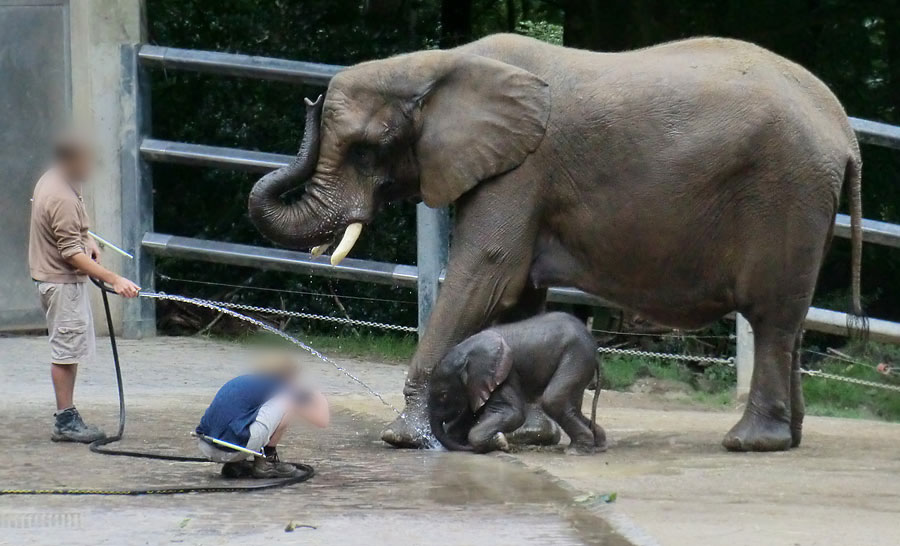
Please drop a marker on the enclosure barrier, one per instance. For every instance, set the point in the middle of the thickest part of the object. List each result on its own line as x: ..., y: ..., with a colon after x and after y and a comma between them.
x: 432, y: 224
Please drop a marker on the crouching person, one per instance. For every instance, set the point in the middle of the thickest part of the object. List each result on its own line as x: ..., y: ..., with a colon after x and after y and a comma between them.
x: 254, y: 411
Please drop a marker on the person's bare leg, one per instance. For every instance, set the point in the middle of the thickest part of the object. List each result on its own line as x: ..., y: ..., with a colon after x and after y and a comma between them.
x: 279, y: 431
x: 63, y: 376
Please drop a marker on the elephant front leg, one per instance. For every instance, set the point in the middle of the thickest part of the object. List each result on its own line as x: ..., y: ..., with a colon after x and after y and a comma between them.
x: 500, y: 417
x: 479, y: 285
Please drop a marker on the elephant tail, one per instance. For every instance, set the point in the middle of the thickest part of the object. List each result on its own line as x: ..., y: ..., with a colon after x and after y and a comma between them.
x: 856, y: 321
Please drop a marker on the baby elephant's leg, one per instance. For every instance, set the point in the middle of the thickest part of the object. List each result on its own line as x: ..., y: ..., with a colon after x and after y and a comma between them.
x: 562, y: 401
x: 503, y: 413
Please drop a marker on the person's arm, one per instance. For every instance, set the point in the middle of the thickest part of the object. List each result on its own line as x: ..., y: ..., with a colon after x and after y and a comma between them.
x: 312, y: 407
x: 93, y: 250
x: 67, y: 231
x: 89, y: 267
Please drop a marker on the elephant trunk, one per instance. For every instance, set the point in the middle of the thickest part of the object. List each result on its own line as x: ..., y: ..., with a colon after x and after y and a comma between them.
x: 306, y: 222
x: 437, y: 428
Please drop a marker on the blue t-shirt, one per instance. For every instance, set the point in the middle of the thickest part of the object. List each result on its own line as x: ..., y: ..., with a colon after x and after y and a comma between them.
x: 236, y: 405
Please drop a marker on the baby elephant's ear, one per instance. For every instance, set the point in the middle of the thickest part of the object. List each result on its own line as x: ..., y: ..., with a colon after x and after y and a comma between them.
x: 489, y: 363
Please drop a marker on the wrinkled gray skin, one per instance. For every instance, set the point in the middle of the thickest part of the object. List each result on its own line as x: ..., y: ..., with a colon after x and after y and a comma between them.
x: 481, y: 389
x: 682, y: 181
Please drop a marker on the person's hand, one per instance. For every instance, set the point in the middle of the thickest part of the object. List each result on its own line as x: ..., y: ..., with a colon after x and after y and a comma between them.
x: 126, y: 288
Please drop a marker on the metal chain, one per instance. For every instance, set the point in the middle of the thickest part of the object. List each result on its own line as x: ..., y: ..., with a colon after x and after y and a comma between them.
x: 863, y: 382
x: 311, y: 316
x: 671, y: 356
x: 220, y: 307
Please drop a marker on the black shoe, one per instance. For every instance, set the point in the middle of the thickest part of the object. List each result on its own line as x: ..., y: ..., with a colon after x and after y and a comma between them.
x: 70, y: 427
x: 272, y: 467
x: 239, y: 469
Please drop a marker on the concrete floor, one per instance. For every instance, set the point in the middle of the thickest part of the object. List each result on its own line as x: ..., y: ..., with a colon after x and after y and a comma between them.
x: 675, y: 484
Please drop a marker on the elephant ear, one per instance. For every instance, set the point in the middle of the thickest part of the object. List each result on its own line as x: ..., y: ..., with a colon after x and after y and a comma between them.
x: 488, y: 365
x: 481, y: 118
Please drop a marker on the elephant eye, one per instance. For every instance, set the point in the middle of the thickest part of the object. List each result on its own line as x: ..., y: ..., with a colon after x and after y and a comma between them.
x: 362, y: 156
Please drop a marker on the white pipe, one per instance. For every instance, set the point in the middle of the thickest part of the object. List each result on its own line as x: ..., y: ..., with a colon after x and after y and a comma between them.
x: 229, y: 445
x: 104, y: 242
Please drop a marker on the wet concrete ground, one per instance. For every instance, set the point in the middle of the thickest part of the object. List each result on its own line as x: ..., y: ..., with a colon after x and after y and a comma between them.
x: 363, y: 492
x: 675, y: 485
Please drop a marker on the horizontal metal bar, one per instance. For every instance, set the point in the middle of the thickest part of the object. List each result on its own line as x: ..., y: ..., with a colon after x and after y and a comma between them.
x: 201, y: 155
x: 278, y: 260
x: 877, y: 133
x: 880, y: 233
x: 232, y: 64
x: 822, y: 320
x: 291, y: 261
x: 270, y: 68
x: 834, y: 322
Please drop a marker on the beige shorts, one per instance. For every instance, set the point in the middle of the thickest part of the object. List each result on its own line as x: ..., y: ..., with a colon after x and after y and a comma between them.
x: 261, y: 430
x: 69, y: 321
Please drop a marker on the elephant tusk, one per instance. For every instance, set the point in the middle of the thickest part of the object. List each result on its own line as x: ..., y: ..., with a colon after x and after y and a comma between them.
x: 319, y: 250
x: 347, y: 241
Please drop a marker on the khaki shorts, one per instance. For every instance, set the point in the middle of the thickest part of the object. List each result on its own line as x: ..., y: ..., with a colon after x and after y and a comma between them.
x: 261, y: 430
x: 69, y: 321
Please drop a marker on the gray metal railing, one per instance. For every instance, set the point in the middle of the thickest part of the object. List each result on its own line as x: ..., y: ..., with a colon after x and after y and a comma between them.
x: 432, y: 224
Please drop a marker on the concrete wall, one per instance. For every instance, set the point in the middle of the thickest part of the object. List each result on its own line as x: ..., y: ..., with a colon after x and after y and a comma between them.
x: 61, y: 59
x: 34, y: 102
x: 99, y: 29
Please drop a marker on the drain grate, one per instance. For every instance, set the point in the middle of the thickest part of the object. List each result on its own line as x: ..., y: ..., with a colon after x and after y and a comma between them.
x: 41, y: 520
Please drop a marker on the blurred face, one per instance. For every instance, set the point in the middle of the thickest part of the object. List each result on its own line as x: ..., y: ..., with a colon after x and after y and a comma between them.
x: 78, y: 165
x: 74, y: 156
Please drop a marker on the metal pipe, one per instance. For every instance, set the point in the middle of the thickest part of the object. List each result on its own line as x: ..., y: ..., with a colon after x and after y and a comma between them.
x: 104, y: 242
x: 291, y: 261
x: 432, y: 251
x: 270, y: 68
x: 232, y: 64
x: 822, y: 320
x: 877, y: 133
x: 875, y: 232
x: 879, y: 233
x: 278, y: 260
x: 201, y: 155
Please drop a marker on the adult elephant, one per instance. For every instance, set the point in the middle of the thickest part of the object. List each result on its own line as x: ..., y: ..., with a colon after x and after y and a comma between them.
x: 682, y: 181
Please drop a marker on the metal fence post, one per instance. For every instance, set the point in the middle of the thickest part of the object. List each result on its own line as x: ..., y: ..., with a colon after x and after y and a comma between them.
x: 432, y: 248
x: 744, y: 358
x: 139, y: 316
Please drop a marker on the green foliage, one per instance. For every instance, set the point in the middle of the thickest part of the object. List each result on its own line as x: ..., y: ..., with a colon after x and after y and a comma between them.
x: 714, y: 385
x: 541, y: 30
x: 853, y: 46
x: 837, y: 398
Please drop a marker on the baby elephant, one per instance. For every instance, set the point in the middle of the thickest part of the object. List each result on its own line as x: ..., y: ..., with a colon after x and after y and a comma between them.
x: 480, y: 390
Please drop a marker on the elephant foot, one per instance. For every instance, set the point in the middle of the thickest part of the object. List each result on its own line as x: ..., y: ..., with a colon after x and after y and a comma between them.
x: 755, y: 432
x: 410, y: 429
x: 538, y: 430
x: 599, y: 438
x: 584, y: 449
x: 500, y: 443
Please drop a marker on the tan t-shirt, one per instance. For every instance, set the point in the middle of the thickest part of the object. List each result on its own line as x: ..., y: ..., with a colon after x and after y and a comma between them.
x: 59, y: 230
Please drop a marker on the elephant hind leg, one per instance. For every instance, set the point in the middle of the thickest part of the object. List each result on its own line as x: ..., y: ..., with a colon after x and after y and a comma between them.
x: 562, y: 401
x: 538, y: 429
x: 767, y: 423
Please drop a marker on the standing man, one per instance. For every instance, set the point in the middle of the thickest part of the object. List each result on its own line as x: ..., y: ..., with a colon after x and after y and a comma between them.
x: 61, y: 256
